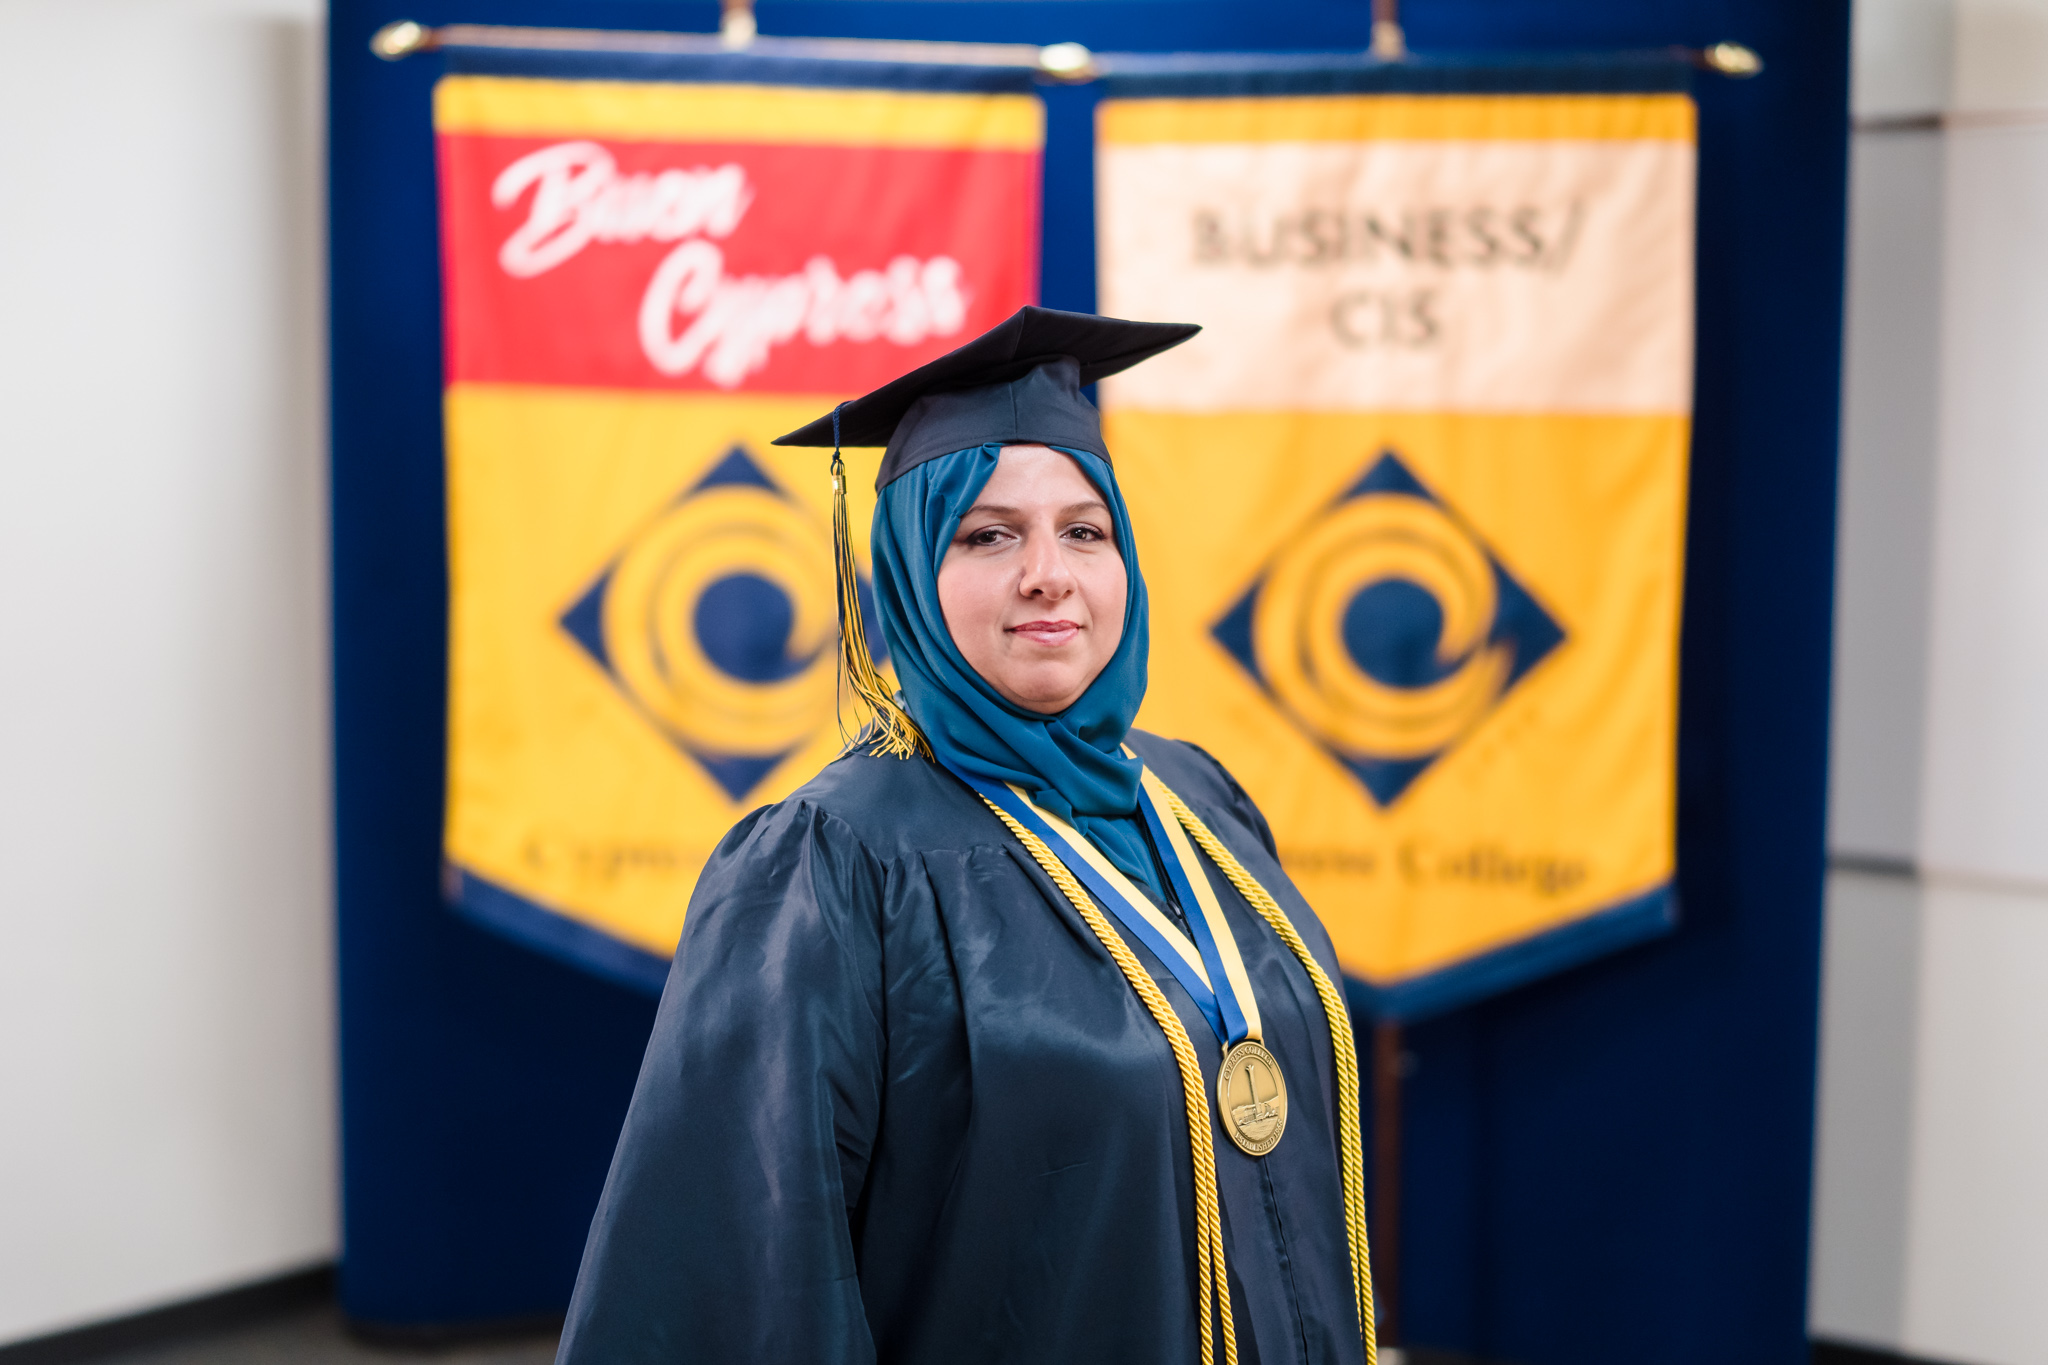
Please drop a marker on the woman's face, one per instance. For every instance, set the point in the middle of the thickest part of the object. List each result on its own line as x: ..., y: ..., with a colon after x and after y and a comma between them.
x: 1033, y: 585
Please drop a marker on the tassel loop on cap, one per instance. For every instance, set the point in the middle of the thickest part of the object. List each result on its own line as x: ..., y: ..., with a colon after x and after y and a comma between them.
x: 893, y: 731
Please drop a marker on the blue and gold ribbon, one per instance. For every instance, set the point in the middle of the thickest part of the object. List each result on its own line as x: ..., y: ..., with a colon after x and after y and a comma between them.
x: 1200, y: 958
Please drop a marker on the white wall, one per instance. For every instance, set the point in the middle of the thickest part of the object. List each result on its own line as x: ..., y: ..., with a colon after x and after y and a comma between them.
x: 166, y: 1045
x: 1885, y: 536
x: 1869, y: 1027
x: 1984, y: 807
x: 1977, y: 1251
x: 2000, y: 52
x: 1931, y: 1192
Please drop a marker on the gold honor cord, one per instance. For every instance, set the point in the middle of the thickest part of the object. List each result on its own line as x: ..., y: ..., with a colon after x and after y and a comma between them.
x: 1351, y: 1151
x: 1210, y: 1274
x: 1254, y: 1121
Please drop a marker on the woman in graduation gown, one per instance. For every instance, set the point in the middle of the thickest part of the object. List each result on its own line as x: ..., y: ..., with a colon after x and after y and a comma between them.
x: 935, y: 1079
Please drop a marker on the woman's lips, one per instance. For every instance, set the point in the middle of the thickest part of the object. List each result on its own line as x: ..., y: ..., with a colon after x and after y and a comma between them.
x: 1047, y: 632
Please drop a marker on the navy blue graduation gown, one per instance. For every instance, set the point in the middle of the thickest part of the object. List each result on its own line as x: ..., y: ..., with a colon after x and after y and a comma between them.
x: 900, y: 1106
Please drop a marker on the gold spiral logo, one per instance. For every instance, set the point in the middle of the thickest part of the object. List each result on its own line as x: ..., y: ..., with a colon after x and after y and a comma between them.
x: 1387, y: 629
x: 717, y: 621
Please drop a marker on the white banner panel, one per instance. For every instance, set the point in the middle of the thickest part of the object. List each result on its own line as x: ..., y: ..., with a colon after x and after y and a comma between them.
x: 1481, y: 276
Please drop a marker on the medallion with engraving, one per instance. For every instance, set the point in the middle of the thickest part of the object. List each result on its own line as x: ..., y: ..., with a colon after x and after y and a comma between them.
x: 1252, y: 1098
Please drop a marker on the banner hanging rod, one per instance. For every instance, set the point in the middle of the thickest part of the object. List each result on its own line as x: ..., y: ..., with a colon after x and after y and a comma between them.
x: 1060, y: 61
x: 1069, y: 62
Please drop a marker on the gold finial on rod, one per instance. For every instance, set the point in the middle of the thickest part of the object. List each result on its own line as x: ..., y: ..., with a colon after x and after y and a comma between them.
x: 1732, y: 59
x: 1389, y: 43
x: 736, y: 25
x: 401, y: 39
x: 1067, y: 62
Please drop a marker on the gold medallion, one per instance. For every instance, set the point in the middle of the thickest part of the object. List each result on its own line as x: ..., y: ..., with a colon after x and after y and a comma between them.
x: 1252, y: 1098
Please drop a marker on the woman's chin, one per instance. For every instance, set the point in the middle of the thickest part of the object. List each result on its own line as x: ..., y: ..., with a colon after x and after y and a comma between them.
x: 1047, y: 695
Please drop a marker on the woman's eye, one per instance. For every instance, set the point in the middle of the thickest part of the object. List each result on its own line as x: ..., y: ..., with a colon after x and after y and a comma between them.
x: 1085, y: 533
x: 987, y: 535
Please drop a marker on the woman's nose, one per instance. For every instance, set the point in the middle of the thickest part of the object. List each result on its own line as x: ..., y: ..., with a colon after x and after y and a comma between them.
x: 1045, y: 568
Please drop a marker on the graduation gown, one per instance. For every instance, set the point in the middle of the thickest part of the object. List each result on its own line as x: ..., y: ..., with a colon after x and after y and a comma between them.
x: 900, y: 1106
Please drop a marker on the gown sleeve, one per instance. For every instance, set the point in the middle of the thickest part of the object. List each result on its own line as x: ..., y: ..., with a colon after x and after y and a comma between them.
x: 1241, y: 801
x: 723, y: 1233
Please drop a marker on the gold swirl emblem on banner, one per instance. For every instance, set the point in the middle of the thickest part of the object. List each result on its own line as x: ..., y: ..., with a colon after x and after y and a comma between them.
x: 717, y: 621
x: 1386, y: 629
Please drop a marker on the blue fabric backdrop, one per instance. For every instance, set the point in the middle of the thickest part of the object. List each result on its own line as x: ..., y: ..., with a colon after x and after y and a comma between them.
x: 1607, y: 1168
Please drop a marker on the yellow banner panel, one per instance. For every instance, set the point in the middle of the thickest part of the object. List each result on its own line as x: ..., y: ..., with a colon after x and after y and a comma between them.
x: 1431, y: 824
x: 597, y: 740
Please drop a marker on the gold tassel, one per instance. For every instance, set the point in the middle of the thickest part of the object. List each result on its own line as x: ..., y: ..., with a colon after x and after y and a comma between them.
x: 893, y: 731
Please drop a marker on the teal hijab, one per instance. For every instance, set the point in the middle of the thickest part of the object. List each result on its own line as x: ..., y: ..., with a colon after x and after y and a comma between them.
x: 1072, y: 763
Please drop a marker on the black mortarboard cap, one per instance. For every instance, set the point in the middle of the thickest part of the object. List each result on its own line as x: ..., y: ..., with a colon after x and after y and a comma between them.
x: 1019, y: 383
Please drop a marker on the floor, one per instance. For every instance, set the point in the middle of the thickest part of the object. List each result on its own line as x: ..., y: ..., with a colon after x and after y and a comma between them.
x: 314, y: 1336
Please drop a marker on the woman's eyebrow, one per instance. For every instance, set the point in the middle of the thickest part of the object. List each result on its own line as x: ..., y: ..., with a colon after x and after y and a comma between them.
x: 1071, y: 509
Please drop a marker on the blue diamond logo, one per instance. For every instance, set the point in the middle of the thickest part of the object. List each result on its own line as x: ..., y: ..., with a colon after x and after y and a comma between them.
x: 1387, y: 629
x: 716, y: 621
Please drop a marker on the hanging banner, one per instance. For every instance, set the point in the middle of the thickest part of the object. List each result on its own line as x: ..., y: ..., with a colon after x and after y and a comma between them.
x: 646, y: 280
x: 1413, y: 503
